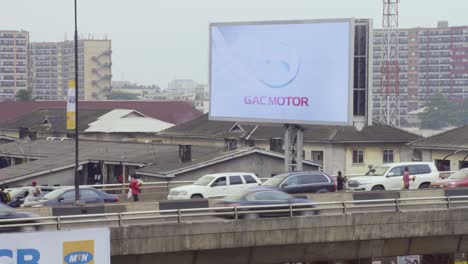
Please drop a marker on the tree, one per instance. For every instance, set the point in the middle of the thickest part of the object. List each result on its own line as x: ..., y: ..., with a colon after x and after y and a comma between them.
x: 441, y: 112
x: 24, y: 95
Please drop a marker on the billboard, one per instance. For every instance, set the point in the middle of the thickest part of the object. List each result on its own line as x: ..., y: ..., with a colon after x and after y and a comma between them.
x: 81, y: 246
x: 297, y: 72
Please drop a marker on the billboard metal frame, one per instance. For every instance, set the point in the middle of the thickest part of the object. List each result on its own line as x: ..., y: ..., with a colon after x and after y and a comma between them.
x: 349, y: 122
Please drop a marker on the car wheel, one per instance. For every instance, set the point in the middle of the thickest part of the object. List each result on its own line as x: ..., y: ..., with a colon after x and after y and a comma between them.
x: 28, y: 229
x: 251, y: 216
x: 424, y: 185
x: 196, y: 196
x: 378, y: 188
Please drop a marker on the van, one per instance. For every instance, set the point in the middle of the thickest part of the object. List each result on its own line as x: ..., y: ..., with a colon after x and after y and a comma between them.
x: 390, y: 177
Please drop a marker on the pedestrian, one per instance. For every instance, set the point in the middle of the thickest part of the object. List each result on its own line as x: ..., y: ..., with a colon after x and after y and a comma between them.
x: 340, y: 182
x: 36, y: 192
x: 407, y: 179
x: 135, y: 187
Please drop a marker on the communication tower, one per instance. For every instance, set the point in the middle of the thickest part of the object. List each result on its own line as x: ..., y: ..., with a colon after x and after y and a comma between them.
x: 389, y: 112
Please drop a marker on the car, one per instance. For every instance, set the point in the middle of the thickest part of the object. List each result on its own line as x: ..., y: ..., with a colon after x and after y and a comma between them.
x: 456, y: 180
x: 7, y: 212
x: 18, y: 195
x: 216, y: 185
x: 303, y: 182
x: 66, y: 196
x: 390, y: 177
x: 266, y: 196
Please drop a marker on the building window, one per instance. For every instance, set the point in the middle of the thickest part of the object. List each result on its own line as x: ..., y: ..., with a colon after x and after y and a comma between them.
x: 358, y: 156
x: 388, y: 155
x: 317, y: 156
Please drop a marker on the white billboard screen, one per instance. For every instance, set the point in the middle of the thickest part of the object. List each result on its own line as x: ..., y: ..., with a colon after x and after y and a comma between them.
x: 288, y: 72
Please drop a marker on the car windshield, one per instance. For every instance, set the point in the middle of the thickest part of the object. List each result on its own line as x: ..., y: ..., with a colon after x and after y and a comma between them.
x: 378, y: 171
x: 53, y: 194
x: 204, y: 181
x: 459, y: 175
x: 276, y: 180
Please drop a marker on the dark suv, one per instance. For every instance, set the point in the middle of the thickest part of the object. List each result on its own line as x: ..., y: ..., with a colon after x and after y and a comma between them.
x: 303, y: 182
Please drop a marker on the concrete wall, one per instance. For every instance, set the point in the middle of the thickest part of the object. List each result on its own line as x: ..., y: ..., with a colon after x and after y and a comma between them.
x: 296, y: 239
x: 373, y: 155
x: 63, y: 177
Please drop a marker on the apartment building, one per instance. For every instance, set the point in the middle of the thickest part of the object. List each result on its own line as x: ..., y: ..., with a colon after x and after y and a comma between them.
x: 432, y: 60
x: 53, y: 64
x: 13, y: 63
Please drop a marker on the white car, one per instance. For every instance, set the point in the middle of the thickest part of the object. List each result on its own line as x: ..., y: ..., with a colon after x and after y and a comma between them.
x: 390, y: 177
x: 215, y: 186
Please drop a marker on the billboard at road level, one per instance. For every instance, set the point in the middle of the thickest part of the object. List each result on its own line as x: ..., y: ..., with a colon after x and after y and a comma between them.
x: 296, y: 72
x: 81, y: 246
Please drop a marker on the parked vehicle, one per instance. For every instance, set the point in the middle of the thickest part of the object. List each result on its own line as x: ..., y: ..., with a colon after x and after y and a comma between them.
x: 456, y: 180
x: 266, y: 196
x: 390, y: 177
x: 7, y: 212
x: 66, y: 196
x: 216, y: 185
x: 18, y: 195
x: 303, y: 182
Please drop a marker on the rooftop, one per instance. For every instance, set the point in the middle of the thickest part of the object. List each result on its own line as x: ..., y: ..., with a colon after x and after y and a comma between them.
x: 202, y: 127
x: 455, y: 139
x: 174, y: 112
x: 58, y: 154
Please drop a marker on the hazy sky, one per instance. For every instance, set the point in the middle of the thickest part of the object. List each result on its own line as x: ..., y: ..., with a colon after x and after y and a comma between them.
x: 155, y: 41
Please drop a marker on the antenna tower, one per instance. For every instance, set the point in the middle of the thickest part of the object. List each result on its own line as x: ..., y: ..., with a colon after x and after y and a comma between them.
x: 389, y: 112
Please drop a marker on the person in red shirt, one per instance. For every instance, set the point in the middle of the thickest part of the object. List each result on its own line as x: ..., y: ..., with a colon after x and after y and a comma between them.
x: 135, y: 187
x: 406, y: 179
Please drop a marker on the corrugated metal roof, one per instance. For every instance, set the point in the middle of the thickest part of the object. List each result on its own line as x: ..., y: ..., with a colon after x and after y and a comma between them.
x: 202, y: 127
x: 127, y: 121
x: 174, y: 112
x: 455, y: 139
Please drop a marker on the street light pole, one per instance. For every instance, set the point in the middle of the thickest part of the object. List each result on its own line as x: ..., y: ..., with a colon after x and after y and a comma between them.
x: 77, y: 173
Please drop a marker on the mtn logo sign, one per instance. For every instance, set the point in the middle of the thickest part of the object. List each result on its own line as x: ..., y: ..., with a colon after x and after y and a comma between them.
x: 78, y: 252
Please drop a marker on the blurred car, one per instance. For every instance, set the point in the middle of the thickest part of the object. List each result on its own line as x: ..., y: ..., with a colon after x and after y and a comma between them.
x: 18, y: 195
x: 266, y: 196
x: 456, y: 180
x: 215, y: 186
x: 7, y: 212
x: 303, y: 182
x: 66, y: 196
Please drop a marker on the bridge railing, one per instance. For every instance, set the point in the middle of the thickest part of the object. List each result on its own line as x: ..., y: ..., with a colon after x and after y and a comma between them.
x: 240, y: 212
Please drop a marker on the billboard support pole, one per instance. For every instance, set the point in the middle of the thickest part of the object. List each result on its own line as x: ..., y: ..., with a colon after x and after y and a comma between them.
x: 293, y: 147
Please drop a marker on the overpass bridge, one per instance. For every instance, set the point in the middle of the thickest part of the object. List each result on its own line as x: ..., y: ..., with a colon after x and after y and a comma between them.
x: 343, y: 230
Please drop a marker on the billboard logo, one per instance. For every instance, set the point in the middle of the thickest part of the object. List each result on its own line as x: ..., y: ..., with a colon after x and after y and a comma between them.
x: 23, y: 256
x: 78, y: 252
x: 276, y: 65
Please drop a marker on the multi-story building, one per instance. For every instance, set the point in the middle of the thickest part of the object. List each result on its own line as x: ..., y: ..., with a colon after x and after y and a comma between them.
x: 13, y: 63
x: 53, y: 64
x: 431, y: 60
x: 181, y: 86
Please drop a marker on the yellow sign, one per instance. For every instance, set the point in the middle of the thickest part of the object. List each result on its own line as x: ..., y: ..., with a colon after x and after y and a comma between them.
x: 78, y: 252
x: 71, y: 102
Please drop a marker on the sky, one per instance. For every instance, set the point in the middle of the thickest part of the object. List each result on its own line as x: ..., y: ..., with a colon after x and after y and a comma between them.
x: 155, y: 41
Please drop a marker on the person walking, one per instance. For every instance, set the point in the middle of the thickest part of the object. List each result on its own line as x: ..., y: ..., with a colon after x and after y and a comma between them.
x: 36, y: 192
x: 407, y: 179
x: 340, y: 182
x: 135, y: 187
